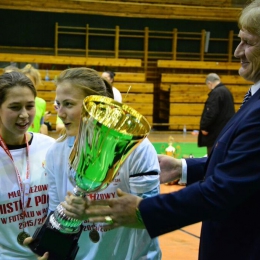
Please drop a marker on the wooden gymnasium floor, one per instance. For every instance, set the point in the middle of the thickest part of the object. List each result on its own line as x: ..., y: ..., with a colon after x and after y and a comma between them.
x: 181, y: 244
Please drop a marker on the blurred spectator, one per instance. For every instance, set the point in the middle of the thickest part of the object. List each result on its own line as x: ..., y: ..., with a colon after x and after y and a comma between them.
x: 38, y: 125
x: 109, y: 76
x: 11, y: 68
x: 218, y: 109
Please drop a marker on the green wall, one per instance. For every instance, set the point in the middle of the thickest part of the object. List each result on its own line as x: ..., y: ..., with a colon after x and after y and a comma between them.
x: 183, y: 150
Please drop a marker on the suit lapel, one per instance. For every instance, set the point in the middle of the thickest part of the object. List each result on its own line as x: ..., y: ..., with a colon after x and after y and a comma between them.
x: 241, y: 112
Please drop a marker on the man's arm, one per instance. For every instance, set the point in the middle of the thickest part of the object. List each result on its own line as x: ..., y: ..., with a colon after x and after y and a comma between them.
x: 174, y: 169
x: 195, y: 169
x: 171, y: 168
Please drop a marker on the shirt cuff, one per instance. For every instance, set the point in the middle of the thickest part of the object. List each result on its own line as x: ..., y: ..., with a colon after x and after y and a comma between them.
x: 183, y: 179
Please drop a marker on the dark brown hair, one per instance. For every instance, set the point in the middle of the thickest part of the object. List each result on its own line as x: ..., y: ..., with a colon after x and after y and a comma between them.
x: 14, y: 79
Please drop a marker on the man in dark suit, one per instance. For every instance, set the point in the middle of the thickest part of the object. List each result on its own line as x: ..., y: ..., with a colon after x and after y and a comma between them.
x: 218, y: 109
x: 223, y: 191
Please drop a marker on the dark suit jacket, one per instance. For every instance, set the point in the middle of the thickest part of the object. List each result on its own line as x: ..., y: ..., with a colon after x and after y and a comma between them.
x: 226, y: 200
x: 218, y: 109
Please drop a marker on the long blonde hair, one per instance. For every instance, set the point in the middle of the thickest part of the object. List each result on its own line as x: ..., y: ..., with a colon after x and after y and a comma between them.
x: 33, y: 74
x: 88, y: 80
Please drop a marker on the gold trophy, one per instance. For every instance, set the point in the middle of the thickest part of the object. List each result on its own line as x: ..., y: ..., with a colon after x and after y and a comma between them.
x: 109, y: 131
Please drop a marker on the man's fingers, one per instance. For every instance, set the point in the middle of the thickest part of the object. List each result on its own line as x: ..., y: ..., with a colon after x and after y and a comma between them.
x: 99, y: 203
x: 98, y: 211
x: 120, y: 193
x: 103, y: 220
x: 98, y: 219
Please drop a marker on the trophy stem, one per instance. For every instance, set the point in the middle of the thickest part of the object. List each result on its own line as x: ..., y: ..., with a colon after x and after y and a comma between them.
x: 79, y: 192
x: 63, y: 223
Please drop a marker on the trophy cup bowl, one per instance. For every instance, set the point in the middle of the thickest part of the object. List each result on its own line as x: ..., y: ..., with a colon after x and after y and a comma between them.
x: 109, y: 131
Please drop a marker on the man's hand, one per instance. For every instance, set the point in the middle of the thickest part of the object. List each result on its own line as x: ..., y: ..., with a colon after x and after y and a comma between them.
x: 121, y: 211
x: 171, y: 168
x: 204, y: 132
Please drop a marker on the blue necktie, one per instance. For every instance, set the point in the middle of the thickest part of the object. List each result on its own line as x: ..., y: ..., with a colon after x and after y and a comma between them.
x: 246, y: 97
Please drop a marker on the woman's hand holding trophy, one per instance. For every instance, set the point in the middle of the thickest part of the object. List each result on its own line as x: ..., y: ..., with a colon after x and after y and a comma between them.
x: 75, y: 207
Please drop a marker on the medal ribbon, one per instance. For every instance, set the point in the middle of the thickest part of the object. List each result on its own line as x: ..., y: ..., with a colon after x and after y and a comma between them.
x: 23, y: 190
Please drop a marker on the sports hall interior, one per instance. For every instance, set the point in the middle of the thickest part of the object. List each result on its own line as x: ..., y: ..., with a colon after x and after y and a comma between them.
x: 160, y: 51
